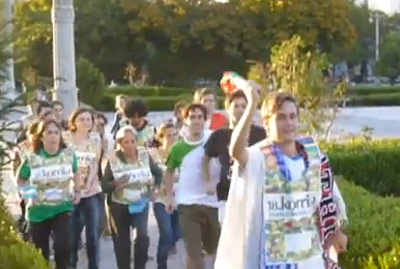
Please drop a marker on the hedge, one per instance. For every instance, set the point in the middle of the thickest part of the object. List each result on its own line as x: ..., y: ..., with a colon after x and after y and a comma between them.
x: 144, y: 91
x: 357, y: 96
x: 163, y: 103
x: 365, y: 90
x: 90, y: 81
x: 373, y: 165
x: 155, y: 103
x: 147, y: 91
x: 374, y: 231
x: 372, y: 196
x: 382, y: 99
x: 14, y: 252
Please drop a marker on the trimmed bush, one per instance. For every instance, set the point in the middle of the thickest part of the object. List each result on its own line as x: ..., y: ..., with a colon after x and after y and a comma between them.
x: 373, y: 165
x: 374, y: 96
x: 91, y: 83
x: 358, y: 96
x: 155, y: 103
x: 383, y: 99
x: 148, y: 91
x: 373, y: 229
x: 365, y: 90
x: 14, y: 252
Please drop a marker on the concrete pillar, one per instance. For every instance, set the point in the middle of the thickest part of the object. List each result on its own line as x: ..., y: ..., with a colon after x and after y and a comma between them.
x: 64, y: 73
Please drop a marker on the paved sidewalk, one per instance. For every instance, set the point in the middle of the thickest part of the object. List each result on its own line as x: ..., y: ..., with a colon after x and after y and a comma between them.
x: 107, y: 257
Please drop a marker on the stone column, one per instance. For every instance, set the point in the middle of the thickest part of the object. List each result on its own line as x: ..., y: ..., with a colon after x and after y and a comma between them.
x: 8, y: 87
x: 64, y: 73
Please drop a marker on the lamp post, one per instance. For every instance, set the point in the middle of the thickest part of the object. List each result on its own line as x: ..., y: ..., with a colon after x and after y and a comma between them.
x: 377, y: 36
x: 64, y: 73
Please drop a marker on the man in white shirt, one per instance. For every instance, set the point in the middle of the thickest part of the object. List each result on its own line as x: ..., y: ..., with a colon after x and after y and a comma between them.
x: 197, y: 206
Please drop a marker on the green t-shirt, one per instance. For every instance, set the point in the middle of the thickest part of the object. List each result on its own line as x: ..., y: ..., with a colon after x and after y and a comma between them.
x: 42, y: 213
x: 178, y: 152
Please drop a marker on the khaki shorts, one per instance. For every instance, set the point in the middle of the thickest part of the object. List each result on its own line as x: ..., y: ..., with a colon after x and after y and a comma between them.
x: 201, y: 229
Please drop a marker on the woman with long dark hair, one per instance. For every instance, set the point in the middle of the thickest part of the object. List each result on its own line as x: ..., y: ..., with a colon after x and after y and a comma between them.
x: 45, y: 177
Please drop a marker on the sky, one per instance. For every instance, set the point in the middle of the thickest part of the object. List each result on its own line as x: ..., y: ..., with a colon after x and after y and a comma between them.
x: 388, y: 6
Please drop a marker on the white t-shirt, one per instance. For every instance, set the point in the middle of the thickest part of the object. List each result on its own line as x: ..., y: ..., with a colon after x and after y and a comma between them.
x: 187, y: 156
x: 296, y: 166
x: 192, y: 187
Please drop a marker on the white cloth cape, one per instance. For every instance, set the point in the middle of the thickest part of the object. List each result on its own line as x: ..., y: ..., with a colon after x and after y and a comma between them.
x: 241, y: 240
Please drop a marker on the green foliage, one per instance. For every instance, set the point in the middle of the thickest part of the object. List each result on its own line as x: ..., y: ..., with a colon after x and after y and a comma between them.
x: 370, y: 164
x: 359, y: 17
x: 155, y: 103
x: 390, y: 56
x: 4, y: 56
x: 368, y: 90
x: 179, y: 41
x: 296, y: 69
x: 14, y: 252
x: 5, y: 41
x: 371, y: 193
x: 384, y: 99
x: 91, y: 83
x: 33, y: 31
x: 147, y: 91
x: 373, y: 229
x: 373, y: 96
x: 102, y: 36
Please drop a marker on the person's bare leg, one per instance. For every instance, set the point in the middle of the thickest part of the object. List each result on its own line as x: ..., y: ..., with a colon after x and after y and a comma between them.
x: 209, y: 260
x: 195, y: 263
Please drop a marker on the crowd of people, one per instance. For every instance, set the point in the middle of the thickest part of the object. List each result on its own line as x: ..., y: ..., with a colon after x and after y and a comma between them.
x: 241, y: 194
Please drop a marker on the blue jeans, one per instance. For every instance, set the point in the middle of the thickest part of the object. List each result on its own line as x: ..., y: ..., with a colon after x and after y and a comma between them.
x: 170, y: 232
x: 123, y: 220
x: 87, y: 213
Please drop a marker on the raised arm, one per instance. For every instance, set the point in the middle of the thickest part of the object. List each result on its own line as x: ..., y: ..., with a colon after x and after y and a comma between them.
x: 237, y: 148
